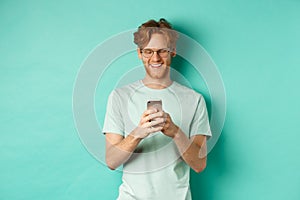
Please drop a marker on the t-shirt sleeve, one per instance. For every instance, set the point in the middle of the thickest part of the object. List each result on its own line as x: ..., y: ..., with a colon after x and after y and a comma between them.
x: 200, y: 122
x: 113, y: 122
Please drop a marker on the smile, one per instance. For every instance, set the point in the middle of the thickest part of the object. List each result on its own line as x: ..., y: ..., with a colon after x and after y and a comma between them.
x: 156, y: 65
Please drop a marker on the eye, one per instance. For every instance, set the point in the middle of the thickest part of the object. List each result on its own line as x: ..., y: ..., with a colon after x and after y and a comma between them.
x: 163, y: 51
x: 147, y: 51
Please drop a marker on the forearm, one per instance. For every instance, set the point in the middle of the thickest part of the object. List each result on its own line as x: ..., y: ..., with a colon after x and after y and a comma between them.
x: 119, y: 153
x: 193, y: 154
x: 119, y: 149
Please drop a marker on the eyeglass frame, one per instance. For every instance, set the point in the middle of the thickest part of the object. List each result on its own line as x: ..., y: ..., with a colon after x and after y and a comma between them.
x: 157, y: 51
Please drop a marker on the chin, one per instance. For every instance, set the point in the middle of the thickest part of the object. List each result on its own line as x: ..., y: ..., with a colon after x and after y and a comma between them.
x: 157, y: 76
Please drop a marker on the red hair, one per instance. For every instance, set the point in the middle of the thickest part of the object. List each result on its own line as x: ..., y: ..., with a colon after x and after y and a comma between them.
x: 143, y: 35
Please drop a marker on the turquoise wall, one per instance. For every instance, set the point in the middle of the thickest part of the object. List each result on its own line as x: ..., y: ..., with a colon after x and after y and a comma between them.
x: 255, y: 45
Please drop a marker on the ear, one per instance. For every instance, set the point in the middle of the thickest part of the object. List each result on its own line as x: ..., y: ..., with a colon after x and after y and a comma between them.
x: 173, y: 53
x: 139, y: 53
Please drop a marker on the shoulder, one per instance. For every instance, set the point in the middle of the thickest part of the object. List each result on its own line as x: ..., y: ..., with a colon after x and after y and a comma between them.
x: 126, y: 90
x: 186, y: 91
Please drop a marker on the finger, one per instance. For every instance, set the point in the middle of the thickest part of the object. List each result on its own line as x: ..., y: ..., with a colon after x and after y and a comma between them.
x: 159, y: 114
x: 146, y: 119
x: 154, y: 129
x: 166, y: 115
x: 167, y: 118
x: 153, y: 123
x: 150, y: 114
x: 149, y: 111
x: 161, y: 125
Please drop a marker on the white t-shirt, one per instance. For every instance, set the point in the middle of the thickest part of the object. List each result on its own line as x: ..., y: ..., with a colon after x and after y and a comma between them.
x: 155, y: 170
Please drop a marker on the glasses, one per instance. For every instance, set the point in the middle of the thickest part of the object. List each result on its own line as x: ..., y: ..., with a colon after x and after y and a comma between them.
x: 148, y: 53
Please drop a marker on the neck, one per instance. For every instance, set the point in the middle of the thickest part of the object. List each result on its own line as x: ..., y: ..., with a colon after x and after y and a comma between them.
x: 157, y: 83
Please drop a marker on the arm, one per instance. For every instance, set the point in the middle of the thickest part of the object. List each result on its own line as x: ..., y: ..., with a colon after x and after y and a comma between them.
x: 119, y: 149
x: 193, y: 151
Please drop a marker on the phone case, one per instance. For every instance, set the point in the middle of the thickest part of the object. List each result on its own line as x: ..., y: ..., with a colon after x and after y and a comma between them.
x: 154, y: 104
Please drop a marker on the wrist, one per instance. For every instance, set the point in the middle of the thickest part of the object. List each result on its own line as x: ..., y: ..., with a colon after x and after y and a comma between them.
x: 136, y: 134
x: 176, y: 134
x: 134, y: 138
x: 173, y: 131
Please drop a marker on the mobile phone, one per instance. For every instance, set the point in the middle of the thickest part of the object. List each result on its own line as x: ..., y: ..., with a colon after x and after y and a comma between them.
x: 154, y: 104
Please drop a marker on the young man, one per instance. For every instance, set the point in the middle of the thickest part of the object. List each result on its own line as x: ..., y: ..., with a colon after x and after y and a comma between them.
x: 157, y: 147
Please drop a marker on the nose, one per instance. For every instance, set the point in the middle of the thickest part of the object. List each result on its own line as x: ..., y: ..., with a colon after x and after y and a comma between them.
x: 155, y: 56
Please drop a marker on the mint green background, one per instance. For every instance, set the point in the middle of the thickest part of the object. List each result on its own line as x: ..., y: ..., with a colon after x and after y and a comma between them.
x: 255, y: 45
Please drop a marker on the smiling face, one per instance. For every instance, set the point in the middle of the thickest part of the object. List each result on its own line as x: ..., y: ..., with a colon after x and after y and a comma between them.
x: 156, y: 66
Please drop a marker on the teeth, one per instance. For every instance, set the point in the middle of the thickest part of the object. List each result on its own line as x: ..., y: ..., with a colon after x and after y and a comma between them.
x: 155, y: 65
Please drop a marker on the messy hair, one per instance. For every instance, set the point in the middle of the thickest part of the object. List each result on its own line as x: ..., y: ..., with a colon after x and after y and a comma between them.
x: 143, y: 35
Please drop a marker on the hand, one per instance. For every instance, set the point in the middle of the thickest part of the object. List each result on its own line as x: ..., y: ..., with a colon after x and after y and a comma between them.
x: 151, y: 121
x: 169, y: 129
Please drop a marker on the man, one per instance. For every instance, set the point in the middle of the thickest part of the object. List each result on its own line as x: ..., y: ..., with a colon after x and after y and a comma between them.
x: 156, y: 147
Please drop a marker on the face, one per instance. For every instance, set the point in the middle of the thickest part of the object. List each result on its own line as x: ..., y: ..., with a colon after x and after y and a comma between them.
x: 157, y: 67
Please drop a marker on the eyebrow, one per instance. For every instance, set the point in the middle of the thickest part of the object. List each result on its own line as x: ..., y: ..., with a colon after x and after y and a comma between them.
x: 155, y: 48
